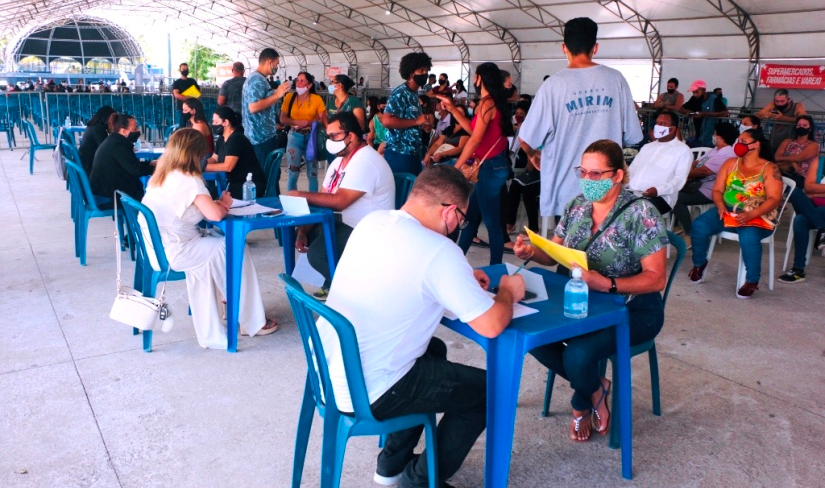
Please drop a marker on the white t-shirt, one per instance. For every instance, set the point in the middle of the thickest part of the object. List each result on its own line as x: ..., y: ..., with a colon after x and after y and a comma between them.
x: 368, y: 172
x: 393, y: 283
x: 571, y: 110
x: 175, y: 212
x: 661, y: 165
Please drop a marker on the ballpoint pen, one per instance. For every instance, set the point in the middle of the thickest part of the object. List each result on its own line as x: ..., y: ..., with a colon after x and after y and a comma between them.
x: 522, y: 266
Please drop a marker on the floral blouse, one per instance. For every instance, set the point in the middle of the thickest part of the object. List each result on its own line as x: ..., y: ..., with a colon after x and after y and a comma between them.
x: 635, y: 234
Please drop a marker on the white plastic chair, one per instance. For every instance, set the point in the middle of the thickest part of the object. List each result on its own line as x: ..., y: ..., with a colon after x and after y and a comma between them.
x: 789, y: 245
x: 788, y: 187
x: 698, y: 152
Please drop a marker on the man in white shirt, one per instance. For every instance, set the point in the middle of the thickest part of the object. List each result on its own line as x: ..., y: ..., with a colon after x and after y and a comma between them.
x: 397, y: 277
x: 661, y: 168
x: 358, y: 181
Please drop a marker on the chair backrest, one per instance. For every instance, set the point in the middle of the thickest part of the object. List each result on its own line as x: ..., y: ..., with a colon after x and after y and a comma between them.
x: 698, y: 152
x: 79, y: 184
x: 681, y: 250
x: 69, y: 151
x: 303, y: 307
x: 169, y: 130
x: 143, y: 229
x: 271, y: 167
x: 30, y: 132
x: 788, y: 188
x: 403, y: 185
x: 68, y: 137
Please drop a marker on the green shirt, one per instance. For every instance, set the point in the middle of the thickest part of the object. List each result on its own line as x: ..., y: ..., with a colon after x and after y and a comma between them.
x: 635, y: 234
x: 352, y: 102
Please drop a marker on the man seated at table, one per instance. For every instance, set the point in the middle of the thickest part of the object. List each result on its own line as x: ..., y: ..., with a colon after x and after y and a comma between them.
x: 357, y: 182
x: 397, y: 277
x: 661, y: 168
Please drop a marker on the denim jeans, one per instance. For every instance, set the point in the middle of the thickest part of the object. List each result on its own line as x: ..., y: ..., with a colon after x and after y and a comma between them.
x: 803, y: 205
x: 485, y: 205
x: 578, y: 361
x: 296, y: 148
x: 801, y: 227
x: 403, y: 163
x: 262, y: 150
x: 317, y: 254
x: 709, y: 224
x: 433, y: 385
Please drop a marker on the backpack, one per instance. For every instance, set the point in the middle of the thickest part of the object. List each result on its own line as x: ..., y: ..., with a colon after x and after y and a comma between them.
x: 59, y: 160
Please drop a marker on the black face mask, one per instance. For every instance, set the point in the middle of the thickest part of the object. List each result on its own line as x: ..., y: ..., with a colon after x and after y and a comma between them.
x: 442, y: 82
x: 134, y: 136
x: 420, y: 80
x: 184, y: 72
x: 671, y: 90
x: 187, y: 115
x: 781, y: 108
x: 217, y: 130
x: 802, y: 131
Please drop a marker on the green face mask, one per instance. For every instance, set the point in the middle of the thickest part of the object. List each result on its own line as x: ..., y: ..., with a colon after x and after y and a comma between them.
x: 595, y: 190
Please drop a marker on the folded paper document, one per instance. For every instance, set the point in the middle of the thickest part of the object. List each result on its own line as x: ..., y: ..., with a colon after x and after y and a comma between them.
x: 563, y: 255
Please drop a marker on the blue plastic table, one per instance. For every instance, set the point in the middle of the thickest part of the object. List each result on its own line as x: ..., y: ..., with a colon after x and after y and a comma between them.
x: 235, y: 230
x: 149, y: 153
x: 505, y: 359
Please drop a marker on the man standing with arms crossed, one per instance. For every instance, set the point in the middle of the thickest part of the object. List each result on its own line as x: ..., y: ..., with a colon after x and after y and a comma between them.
x: 578, y: 105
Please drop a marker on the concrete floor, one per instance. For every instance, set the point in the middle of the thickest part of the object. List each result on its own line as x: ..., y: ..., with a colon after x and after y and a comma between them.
x: 83, y: 406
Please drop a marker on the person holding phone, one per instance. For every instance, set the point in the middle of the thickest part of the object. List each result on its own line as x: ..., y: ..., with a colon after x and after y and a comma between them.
x: 784, y: 111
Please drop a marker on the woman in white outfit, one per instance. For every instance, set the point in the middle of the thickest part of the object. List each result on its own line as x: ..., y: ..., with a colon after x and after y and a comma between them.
x: 179, y: 199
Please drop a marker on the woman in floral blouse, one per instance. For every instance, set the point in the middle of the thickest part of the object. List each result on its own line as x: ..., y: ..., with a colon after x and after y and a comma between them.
x: 747, y: 192
x: 625, y: 256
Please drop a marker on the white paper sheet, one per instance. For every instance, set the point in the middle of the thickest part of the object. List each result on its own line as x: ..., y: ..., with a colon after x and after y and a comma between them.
x: 294, y: 206
x: 252, y: 209
x: 305, y: 273
x: 519, y: 310
x: 532, y: 282
x: 239, y: 203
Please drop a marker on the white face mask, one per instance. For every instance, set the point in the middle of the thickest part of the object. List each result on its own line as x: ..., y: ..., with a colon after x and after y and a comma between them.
x: 334, y: 147
x: 660, y: 131
x: 743, y: 128
x: 301, y: 91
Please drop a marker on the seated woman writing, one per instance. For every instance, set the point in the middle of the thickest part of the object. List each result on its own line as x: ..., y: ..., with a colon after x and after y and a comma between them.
x: 747, y: 192
x: 625, y: 241
x: 234, y: 154
x: 178, y: 197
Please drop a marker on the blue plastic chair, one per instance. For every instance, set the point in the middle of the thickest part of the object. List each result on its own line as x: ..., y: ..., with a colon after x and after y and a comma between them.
x: 7, y: 126
x: 34, y: 144
x: 272, y: 170
x: 318, y: 393
x: 70, y: 152
x: 645, y: 347
x: 85, y: 206
x: 403, y: 185
x: 169, y: 130
x: 146, y: 276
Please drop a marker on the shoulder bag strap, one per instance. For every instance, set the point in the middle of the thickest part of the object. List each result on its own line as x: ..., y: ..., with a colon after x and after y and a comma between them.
x: 117, y: 256
x: 609, y: 222
x: 481, y: 161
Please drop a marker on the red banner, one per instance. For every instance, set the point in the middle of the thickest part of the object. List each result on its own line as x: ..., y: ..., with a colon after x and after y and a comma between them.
x: 792, y: 76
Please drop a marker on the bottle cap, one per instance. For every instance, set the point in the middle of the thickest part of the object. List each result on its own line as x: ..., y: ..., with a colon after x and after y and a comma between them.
x: 576, y: 272
x: 249, y: 177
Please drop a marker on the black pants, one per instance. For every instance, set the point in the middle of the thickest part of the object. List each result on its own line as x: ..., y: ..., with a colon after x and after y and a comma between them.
x: 433, y: 385
x: 530, y: 196
x: 661, y: 205
x: 682, y: 212
x: 317, y: 254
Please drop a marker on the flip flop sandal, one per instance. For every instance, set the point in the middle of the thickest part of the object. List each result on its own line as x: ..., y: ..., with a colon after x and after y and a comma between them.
x: 605, y: 392
x: 578, y: 421
x: 270, y: 327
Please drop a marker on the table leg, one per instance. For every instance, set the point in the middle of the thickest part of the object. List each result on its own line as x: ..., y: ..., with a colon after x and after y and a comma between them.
x: 329, y: 240
x: 625, y: 413
x: 505, y: 360
x: 235, y: 243
x: 288, y: 235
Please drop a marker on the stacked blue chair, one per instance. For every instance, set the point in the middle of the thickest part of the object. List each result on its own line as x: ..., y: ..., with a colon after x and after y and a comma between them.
x: 318, y: 393
x: 645, y: 347
x: 403, y: 186
x: 34, y: 144
x: 147, y: 244
x: 85, y: 206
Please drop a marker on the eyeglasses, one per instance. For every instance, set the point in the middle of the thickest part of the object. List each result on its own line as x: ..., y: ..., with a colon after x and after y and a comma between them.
x: 591, y: 175
x: 334, y: 135
x: 462, y: 217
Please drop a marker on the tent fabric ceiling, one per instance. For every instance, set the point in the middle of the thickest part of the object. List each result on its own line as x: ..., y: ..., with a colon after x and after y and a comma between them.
x: 516, y: 31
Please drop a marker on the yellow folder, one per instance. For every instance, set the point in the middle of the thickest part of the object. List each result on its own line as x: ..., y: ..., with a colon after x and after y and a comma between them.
x: 563, y: 255
x: 192, y: 91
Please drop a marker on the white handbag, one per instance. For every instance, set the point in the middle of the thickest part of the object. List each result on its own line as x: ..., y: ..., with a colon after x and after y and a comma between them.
x: 134, y: 309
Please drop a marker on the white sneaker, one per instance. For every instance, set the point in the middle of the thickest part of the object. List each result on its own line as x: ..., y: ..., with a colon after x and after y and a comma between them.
x: 387, y: 481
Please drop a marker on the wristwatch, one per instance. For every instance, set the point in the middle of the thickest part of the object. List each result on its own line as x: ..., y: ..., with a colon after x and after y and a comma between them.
x: 613, y: 288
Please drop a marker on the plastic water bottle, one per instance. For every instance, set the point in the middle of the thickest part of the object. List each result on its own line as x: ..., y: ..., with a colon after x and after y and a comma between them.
x: 249, y: 190
x: 137, y: 145
x: 575, y: 296
x: 68, y: 122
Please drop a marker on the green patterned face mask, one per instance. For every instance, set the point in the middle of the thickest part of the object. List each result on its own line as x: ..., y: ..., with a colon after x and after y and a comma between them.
x: 595, y: 190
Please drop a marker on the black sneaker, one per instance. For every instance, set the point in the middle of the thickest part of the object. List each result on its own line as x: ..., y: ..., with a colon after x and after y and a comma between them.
x: 819, y: 242
x: 481, y: 244
x: 793, y: 275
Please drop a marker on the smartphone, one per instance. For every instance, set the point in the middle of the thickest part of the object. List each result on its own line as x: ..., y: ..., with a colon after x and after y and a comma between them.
x: 528, y: 295
x: 273, y: 213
